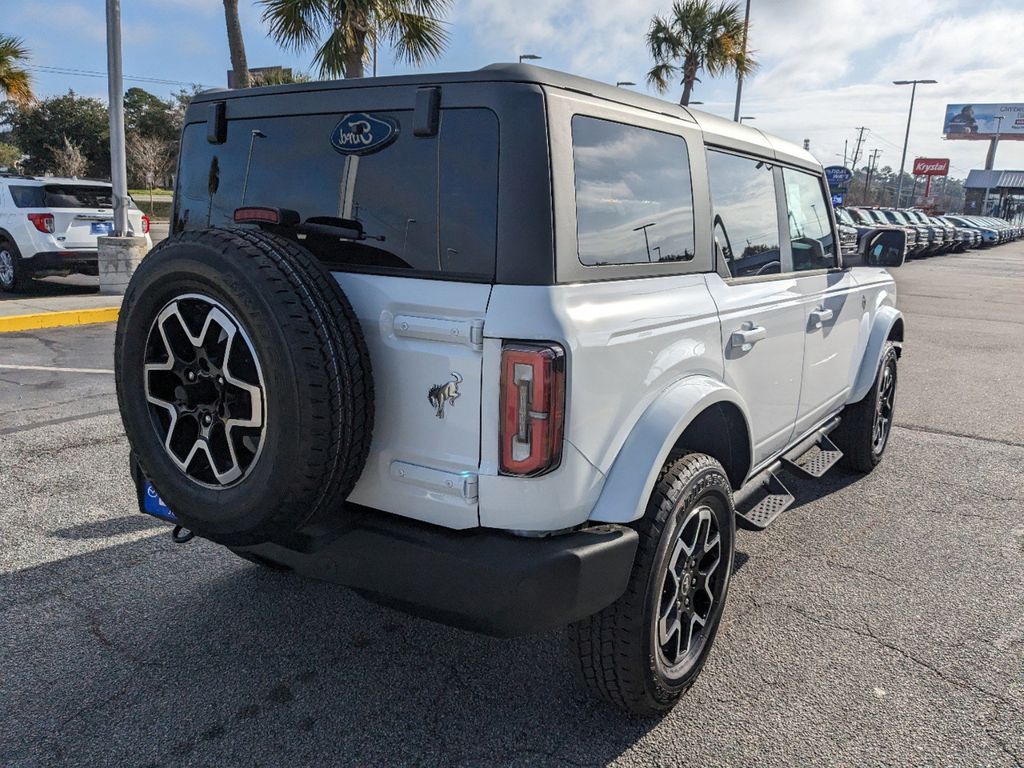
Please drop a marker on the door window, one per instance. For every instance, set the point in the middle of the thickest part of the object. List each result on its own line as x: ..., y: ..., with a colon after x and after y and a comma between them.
x: 810, y: 229
x: 746, y: 218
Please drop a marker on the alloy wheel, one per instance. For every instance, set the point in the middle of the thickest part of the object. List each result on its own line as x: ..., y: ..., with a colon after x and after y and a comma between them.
x: 884, y: 406
x: 205, y: 388
x: 6, y: 269
x: 690, y: 586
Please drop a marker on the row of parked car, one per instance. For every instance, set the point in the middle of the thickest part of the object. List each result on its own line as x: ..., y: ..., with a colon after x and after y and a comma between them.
x: 927, y: 235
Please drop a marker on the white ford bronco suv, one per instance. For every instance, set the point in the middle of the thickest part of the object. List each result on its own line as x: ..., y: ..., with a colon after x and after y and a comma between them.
x: 509, y: 349
x: 50, y: 226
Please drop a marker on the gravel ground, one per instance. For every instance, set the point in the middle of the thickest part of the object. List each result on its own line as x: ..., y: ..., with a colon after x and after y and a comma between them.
x: 877, y: 622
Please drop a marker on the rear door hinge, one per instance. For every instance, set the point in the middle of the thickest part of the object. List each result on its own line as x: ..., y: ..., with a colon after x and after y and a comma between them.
x: 467, y: 332
x: 461, y: 484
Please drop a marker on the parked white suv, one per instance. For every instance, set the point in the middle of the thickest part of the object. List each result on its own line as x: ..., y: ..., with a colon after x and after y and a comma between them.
x: 507, y: 348
x: 49, y: 226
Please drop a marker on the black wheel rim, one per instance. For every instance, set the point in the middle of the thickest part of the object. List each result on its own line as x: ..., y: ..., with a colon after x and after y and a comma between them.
x: 205, y: 390
x: 691, y: 588
x: 884, y: 405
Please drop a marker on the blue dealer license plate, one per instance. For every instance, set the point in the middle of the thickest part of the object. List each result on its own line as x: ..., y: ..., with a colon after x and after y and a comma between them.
x: 152, y: 503
x: 102, y: 227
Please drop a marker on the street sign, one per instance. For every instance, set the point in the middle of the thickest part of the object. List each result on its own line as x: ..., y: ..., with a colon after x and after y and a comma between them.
x: 931, y: 166
x: 838, y: 199
x: 838, y: 176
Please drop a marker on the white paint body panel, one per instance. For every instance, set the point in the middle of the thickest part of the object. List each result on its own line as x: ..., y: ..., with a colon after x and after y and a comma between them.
x: 768, y: 374
x: 418, y: 333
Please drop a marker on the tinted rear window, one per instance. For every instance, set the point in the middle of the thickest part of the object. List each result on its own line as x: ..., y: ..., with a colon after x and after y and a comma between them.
x: 634, y: 202
x: 423, y: 204
x: 61, y: 196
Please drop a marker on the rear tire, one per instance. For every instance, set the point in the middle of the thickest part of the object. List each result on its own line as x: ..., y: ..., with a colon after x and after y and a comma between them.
x: 866, y: 426
x: 14, y: 275
x: 628, y: 654
x: 265, y: 422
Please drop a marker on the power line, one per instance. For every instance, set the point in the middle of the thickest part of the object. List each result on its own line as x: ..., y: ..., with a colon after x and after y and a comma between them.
x: 75, y: 72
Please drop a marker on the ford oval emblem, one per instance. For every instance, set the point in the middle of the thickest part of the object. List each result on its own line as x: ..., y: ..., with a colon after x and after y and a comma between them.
x: 360, y: 134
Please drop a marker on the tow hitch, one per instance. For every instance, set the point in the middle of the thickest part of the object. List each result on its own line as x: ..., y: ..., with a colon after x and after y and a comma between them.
x: 150, y: 503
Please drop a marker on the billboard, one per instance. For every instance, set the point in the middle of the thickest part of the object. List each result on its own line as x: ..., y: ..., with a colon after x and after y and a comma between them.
x: 980, y: 121
x: 931, y: 166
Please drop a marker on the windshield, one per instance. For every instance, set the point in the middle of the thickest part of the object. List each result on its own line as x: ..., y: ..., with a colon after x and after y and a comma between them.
x: 844, y: 216
x: 61, y: 196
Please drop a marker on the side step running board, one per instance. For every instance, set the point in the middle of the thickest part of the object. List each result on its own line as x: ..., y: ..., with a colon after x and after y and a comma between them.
x: 816, y: 460
x: 765, y: 504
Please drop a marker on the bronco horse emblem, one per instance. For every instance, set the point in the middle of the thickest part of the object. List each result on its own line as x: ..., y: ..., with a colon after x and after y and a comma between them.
x: 444, y: 393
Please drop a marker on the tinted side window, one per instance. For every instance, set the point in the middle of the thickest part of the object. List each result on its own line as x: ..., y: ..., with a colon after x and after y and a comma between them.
x: 746, y: 219
x: 810, y: 230
x: 395, y: 195
x: 634, y: 202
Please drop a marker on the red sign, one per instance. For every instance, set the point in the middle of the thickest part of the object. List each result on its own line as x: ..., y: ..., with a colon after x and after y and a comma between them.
x: 931, y: 166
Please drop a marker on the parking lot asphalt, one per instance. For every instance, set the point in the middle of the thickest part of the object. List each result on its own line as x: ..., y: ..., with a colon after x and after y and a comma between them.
x: 877, y: 622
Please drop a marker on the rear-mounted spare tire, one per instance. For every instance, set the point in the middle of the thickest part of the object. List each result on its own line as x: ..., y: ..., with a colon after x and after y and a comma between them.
x: 244, y: 383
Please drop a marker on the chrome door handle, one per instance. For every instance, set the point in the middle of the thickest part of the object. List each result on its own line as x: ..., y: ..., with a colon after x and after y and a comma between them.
x: 746, y: 338
x: 821, y: 316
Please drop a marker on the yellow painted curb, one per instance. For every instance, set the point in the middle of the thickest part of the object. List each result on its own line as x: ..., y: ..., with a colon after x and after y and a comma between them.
x: 58, y: 319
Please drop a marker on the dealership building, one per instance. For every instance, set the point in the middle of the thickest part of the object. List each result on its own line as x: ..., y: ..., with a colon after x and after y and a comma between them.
x: 996, y: 193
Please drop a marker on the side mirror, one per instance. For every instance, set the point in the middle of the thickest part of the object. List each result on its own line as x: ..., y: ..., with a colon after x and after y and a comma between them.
x: 881, y: 248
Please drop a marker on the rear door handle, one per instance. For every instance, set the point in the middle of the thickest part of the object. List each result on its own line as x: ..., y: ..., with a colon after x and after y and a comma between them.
x: 821, y: 316
x: 746, y: 338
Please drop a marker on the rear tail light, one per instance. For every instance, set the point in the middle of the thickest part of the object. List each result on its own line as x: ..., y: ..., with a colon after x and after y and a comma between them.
x: 532, y: 408
x: 42, y: 221
x: 145, y: 224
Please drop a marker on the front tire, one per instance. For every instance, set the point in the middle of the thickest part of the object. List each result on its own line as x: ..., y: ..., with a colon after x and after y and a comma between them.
x: 644, y: 651
x: 863, y: 434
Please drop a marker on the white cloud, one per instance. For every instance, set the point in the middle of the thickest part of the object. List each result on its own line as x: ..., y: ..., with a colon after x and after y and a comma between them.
x: 826, y: 65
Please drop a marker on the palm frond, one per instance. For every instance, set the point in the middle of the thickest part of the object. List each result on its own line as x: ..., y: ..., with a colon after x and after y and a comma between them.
x: 296, y: 24
x: 662, y: 75
x: 416, y: 38
x: 15, y: 81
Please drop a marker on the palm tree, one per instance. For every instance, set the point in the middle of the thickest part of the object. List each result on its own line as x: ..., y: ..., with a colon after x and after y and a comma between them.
x: 236, y: 45
x: 697, y: 36
x: 15, y: 82
x: 345, y: 32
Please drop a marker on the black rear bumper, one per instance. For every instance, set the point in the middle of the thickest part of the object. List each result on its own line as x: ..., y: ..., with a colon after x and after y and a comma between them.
x: 63, y: 260
x: 480, y: 579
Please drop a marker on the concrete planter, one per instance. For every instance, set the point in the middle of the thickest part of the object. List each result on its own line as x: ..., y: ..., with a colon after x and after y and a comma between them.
x: 118, y: 259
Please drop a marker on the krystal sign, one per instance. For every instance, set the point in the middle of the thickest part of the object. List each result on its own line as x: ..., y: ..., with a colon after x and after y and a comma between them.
x: 931, y: 166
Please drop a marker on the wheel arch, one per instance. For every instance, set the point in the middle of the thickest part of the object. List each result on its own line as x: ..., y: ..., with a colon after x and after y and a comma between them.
x: 888, y: 326
x: 697, y: 413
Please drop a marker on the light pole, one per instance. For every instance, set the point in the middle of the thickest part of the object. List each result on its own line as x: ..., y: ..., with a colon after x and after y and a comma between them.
x: 643, y: 228
x: 747, y: 117
x: 739, y: 75
x: 906, y: 138
x: 529, y: 57
x: 115, y: 93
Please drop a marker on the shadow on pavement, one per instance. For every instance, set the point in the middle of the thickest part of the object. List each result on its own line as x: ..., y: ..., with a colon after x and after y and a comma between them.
x: 186, y: 654
x: 72, y: 285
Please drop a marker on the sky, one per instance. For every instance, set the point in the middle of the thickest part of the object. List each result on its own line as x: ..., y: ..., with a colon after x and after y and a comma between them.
x: 826, y: 66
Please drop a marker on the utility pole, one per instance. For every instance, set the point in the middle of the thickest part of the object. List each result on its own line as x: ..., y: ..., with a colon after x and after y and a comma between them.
x: 872, y: 164
x: 856, y: 149
x: 846, y: 147
x: 739, y: 75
